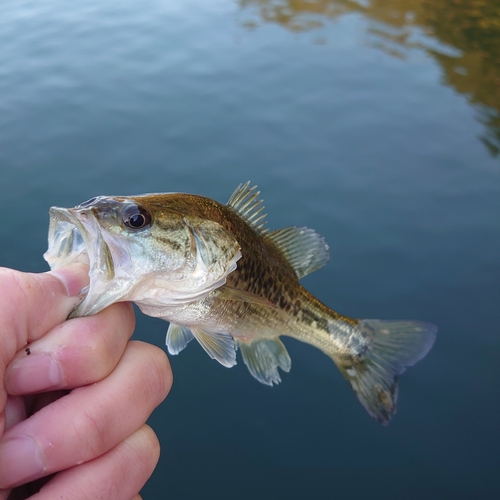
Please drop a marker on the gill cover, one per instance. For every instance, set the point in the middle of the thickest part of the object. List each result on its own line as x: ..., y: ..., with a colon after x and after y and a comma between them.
x: 213, y: 253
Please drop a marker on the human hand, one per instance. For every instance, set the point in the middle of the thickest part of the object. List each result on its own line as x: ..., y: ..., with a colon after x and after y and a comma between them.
x: 74, y: 395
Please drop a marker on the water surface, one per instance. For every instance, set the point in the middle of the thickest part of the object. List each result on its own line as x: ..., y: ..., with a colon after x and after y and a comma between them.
x: 376, y: 123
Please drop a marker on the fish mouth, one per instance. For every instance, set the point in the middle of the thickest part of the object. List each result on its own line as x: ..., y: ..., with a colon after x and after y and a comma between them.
x: 75, y: 237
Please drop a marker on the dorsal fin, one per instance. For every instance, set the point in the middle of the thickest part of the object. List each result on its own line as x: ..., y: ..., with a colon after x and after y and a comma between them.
x: 245, y: 200
x: 304, y: 248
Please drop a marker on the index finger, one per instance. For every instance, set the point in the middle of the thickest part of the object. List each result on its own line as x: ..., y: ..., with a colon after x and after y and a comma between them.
x: 32, y: 304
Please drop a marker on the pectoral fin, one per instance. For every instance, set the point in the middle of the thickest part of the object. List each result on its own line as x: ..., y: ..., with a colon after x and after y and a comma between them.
x: 178, y: 338
x: 263, y: 357
x: 229, y: 293
x: 219, y: 346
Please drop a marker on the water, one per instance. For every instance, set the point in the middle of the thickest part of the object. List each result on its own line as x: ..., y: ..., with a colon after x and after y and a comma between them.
x: 376, y: 123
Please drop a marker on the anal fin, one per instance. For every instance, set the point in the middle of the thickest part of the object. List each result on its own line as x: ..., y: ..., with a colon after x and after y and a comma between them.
x: 263, y: 357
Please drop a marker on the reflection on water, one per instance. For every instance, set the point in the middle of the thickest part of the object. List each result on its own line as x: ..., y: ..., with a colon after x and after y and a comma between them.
x: 463, y: 36
x: 129, y: 97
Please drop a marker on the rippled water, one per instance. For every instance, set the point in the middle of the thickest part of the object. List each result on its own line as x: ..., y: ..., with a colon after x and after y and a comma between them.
x: 376, y: 123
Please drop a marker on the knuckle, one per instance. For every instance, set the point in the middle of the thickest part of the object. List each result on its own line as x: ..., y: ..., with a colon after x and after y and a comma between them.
x: 9, y: 276
x: 152, y: 449
x: 90, y: 435
x: 158, y: 374
x: 16, y: 288
x: 14, y: 282
x: 118, y: 320
x: 147, y: 447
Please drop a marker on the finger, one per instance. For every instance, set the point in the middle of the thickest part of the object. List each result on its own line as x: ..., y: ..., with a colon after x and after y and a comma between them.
x: 117, y: 475
x: 89, y: 421
x: 15, y: 411
x: 39, y: 401
x: 32, y: 304
x: 18, y: 408
x: 77, y: 352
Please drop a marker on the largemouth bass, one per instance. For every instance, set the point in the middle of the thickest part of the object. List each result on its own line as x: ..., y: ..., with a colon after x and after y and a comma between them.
x: 218, y: 275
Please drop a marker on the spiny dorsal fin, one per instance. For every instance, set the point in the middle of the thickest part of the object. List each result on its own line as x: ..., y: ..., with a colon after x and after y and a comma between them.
x: 245, y: 200
x: 263, y: 357
x: 178, y: 338
x: 219, y: 346
x: 304, y: 248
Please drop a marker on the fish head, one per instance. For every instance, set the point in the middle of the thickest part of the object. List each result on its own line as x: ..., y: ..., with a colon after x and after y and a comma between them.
x: 140, y: 251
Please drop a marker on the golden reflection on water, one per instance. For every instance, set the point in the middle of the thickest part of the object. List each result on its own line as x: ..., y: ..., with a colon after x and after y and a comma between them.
x: 467, y: 33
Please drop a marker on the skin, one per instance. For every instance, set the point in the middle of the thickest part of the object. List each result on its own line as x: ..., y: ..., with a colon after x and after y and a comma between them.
x: 263, y: 271
x: 86, y: 388
x: 171, y: 253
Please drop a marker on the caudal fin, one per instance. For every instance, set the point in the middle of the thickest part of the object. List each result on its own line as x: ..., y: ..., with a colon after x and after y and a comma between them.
x: 392, y: 346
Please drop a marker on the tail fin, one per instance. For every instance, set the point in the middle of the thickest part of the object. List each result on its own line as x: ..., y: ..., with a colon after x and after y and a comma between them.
x: 392, y: 346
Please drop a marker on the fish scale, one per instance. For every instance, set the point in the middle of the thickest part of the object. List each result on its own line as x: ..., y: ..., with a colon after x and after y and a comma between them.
x: 218, y: 275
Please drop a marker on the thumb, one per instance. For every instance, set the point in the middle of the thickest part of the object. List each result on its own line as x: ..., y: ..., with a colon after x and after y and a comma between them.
x: 32, y: 304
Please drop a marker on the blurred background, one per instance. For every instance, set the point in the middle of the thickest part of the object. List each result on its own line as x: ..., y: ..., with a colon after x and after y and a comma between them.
x: 377, y: 123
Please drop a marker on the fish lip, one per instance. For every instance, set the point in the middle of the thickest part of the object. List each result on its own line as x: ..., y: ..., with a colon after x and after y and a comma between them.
x: 68, y: 239
x: 75, y: 237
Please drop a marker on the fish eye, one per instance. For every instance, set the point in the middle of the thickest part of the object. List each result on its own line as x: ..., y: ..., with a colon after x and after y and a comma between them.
x: 136, y: 217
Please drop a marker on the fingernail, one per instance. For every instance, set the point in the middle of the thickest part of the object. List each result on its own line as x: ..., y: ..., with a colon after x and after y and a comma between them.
x: 34, y: 373
x: 74, y: 278
x: 21, y: 460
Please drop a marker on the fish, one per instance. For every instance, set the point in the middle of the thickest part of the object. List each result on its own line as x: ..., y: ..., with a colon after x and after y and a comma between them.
x: 217, y: 274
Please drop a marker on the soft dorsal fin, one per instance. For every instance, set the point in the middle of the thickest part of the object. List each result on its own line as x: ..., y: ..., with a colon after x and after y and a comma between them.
x: 245, y: 200
x: 263, y: 357
x: 178, y: 338
x: 304, y: 248
x: 219, y: 346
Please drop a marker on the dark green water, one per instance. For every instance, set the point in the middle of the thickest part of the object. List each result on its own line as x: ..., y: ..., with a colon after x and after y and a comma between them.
x: 376, y: 123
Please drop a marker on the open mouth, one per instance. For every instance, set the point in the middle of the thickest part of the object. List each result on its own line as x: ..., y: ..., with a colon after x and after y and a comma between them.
x: 74, y: 237
x: 67, y: 239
